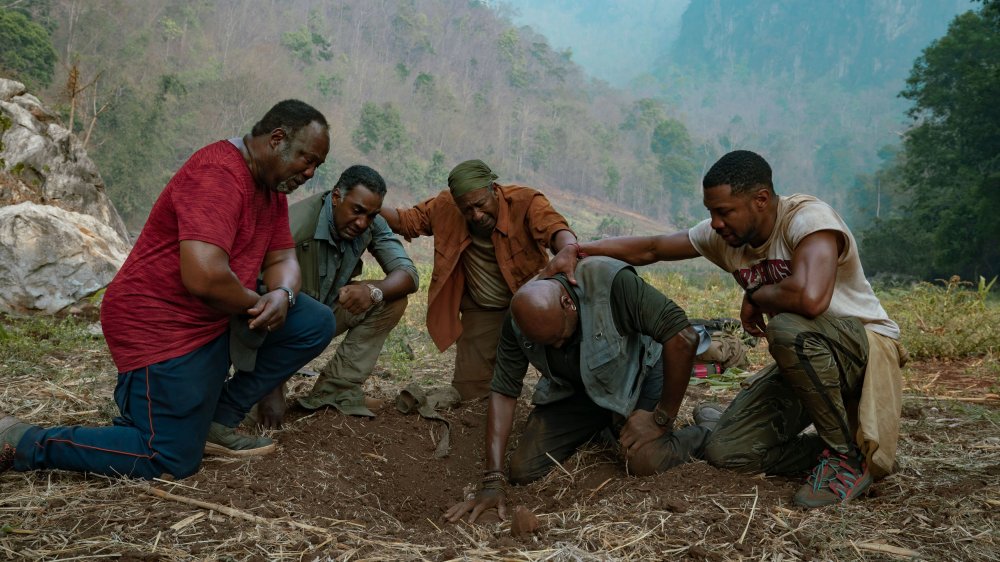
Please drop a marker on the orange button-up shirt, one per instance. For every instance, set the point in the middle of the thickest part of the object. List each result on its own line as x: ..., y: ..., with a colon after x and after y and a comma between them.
x: 526, y: 225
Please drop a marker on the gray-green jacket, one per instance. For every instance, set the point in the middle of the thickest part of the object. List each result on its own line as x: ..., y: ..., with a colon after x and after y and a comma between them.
x: 329, y: 263
x: 612, y: 365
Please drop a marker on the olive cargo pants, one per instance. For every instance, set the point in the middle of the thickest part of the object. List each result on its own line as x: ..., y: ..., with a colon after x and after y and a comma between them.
x: 819, y: 366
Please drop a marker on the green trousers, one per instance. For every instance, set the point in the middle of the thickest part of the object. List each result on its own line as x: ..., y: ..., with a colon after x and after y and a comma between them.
x: 341, y: 379
x: 819, y: 365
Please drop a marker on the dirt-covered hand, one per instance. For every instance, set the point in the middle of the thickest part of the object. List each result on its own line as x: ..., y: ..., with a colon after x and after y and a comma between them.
x: 563, y: 262
x: 270, y: 311
x: 752, y: 319
x: 355, y: 298
x: 271, y: 409
x: 641, y: 428
x: 483, y: 500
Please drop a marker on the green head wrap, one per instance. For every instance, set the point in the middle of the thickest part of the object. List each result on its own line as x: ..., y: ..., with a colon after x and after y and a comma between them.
x: 469, y: 176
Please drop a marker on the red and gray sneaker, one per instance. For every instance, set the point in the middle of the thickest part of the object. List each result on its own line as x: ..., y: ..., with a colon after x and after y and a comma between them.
x: 837, y: 478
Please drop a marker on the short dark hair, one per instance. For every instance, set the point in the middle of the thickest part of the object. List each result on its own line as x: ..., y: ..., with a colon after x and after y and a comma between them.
x: 358, y: 174
x: 742, y: 170
x: 290, y: 115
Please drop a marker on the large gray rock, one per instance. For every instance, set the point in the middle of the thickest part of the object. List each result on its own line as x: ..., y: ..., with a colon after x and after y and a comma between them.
x: 52, y: 259
x: 61, y: 239
x: 39, y: 153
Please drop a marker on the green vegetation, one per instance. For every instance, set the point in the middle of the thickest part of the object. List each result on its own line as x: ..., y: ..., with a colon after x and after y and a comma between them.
x: 27, y: 52
x: 948, y: 319
x: 411, y: 88
x: 947, y: 178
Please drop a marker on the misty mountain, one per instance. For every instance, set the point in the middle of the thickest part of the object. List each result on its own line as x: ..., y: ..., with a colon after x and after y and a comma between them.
x: 613, y: 40
x: 857, y: 43
x: 812, y: 86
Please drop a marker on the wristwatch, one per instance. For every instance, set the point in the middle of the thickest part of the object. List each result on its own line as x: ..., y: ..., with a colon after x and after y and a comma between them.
x: 291, y: 295
x: 662, y: 418
x: 375, y: 293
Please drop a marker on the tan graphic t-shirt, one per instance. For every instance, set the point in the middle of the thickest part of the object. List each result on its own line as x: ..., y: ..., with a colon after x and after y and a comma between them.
x: 798, y: 217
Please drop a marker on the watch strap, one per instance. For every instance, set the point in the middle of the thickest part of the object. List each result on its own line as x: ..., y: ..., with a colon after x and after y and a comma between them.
x: 662, y: 418
x: 291, y: 295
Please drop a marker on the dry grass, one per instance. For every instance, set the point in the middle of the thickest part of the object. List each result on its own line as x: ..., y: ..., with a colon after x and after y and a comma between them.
x: 941, y: 505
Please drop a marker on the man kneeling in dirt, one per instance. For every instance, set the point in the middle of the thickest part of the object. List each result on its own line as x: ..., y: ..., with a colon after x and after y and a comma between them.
x: 332, y: 230
x: 186, y: 305
x: 614, y: 353
x: 836, y: 353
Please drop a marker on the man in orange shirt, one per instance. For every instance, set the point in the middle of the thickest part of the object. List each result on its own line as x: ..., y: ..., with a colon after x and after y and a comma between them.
x: 489, y: 239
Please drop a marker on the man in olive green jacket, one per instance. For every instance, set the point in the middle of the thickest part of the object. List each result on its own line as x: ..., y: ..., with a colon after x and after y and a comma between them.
x: 332, y: 230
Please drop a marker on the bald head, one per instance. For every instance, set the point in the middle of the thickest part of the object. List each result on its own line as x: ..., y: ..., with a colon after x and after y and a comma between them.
x: 544, y: 311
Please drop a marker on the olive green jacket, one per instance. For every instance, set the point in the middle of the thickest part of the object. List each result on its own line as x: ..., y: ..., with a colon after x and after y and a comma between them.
x: 327, y: 262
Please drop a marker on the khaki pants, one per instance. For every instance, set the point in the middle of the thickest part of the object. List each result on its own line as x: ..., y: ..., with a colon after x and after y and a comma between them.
x: 476, y: 350
x: 340, y: 381
x: 819, y: 365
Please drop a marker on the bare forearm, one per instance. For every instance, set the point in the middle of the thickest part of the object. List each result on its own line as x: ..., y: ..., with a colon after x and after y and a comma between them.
x: 285, y: 273
x: 206, y: 275
x: 499, y: 420
x: 678, y: 358
x: 391, y: 217
x: 562, y: 239
x: 228, y: 295
x: 396, y: 285
x: 643, y: 250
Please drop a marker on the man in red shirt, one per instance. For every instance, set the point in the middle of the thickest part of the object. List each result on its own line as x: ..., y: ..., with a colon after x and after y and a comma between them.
x: 186, y: 304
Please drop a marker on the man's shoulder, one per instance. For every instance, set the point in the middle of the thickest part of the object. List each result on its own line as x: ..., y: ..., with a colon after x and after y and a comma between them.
x: 806, y: 213
x: 513, y: 191
x: 222, y: 153
x: 303, y: 216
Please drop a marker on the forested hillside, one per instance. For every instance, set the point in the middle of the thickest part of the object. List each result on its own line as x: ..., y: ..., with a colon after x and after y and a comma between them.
x: 814, y: 86
x: 411, y: 87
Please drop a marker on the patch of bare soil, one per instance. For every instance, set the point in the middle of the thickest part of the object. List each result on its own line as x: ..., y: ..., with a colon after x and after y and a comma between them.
x: 346, y: 488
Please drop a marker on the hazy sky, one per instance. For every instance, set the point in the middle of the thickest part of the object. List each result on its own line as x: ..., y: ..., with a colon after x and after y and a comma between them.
x: 614, y: 40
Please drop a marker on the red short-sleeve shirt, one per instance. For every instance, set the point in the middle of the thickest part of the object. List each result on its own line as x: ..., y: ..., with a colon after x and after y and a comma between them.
x: 147, y: 314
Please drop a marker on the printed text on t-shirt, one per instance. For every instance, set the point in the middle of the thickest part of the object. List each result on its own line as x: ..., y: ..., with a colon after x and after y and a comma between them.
x: 764, y: 272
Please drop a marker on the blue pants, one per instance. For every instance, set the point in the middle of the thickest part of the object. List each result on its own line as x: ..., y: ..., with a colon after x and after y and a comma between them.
x: 166, y: 408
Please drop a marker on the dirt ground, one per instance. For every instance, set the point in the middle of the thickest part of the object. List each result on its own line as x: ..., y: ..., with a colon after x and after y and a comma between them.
x: 343, y: 488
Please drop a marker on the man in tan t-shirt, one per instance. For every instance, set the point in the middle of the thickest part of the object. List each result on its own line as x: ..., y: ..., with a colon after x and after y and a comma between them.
x: 806, y: 292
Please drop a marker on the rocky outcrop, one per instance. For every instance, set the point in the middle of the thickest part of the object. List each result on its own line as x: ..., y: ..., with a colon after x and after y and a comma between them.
x: 53, y: 259
x: 61, y: 237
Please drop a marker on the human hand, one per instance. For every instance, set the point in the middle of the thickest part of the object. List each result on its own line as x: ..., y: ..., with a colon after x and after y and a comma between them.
x: 640, y: 429
x: 563, y: 262
x: 271, y: 408
x: 484, y: 499
x: 355, y: 298
x: 752, y: 319
x: 270, y: 311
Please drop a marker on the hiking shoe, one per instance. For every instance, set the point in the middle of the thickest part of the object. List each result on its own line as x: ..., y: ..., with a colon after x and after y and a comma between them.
x: 225, y: 441
x: 707, y: 415
x: 837, y: 478
x: 11, y: 432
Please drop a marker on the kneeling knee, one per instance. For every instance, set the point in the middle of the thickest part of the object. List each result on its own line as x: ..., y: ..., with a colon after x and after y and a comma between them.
x: 721, y: 456
x: 521, y: 474
x: 179, y: 464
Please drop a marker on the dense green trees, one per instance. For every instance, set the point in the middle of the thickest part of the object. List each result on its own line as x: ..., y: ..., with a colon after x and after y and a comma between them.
x: 27, y: 52
x: 947, y: 179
